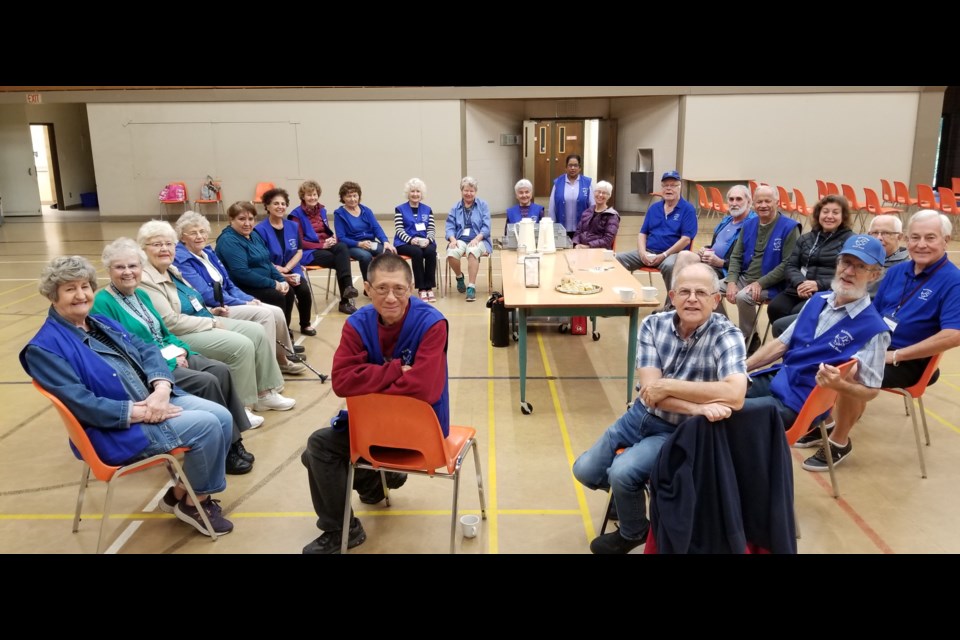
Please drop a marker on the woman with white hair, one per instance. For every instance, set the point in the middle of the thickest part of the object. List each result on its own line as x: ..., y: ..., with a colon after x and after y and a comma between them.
x: 121, y: 392
x: 122, y: 302
x: 468, y: 234
x: 416, y: 237
x: 240, y: 344
x: 201, y: 268
x: 525, y: 207
x: 600, y: 223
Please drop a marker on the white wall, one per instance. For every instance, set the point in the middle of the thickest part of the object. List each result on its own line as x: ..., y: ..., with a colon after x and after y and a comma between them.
x: 647, y: 123
x: 18, y: 176
x: 73, y: 147
x: 138, y: 148
x: 496, y: 168
x: 792, y: 140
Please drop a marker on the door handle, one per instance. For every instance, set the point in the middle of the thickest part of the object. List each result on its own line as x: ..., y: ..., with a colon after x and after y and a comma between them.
x: 29, y: 171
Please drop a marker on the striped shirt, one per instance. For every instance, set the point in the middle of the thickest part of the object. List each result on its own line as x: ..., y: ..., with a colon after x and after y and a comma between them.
x: 714, y: 352
x: 872, y: 356
x: 406, y: 237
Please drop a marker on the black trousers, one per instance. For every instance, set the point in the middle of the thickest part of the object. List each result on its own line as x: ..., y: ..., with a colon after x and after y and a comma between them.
x: 210, y: 380
x: 906, y: 373
x: 338, y: 257
x: 299, y: 294
x: 424, y: 263
x: 786, y: 303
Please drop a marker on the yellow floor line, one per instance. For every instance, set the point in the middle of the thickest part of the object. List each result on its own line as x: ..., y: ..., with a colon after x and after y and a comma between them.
x: 941, y: 420
x: 493, y: 534
x: 950, y: 384
x: 567, y: 447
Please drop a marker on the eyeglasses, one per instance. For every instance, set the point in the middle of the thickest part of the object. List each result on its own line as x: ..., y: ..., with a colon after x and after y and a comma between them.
x: 573, y: 166
x: 885, y: 234
x: 859, y: 267
x: 160, y: 245
x: 701, y: 294
x: 125, y: 267
x: 199, y: 233
x: 398, y: 292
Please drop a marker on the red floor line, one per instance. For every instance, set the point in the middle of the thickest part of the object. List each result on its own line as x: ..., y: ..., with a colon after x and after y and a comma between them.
x: 846, y: 507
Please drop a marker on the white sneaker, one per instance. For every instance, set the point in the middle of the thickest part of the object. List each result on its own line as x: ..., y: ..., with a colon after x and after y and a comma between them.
x: 276, y: 402
x: 292, y: 368
x: 255, y: 420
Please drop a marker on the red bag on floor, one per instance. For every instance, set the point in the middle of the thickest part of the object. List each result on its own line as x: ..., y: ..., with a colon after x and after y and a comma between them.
x: 578, y: 325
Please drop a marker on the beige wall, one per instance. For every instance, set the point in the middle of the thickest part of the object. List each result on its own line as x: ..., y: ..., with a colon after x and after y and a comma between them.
x: 647, y: 123
x: 73, y: 147
x: 138, y: 148
x: 792, y: 140
x: 18, y: 175
x: 496, y: 168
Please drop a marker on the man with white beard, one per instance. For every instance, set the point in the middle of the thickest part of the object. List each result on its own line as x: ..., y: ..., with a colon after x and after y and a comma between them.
x: 831, y: 329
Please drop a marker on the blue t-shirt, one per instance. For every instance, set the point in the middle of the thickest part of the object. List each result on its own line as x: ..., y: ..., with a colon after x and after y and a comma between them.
x: 726, y: 237
x: 663, y: 231
x: 923, y: 304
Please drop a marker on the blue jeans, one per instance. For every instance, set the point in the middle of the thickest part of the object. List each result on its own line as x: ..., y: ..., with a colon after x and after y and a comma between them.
x: 205, y: 427
x: 760, y: 395
x: 643, y: 434
x: 364, y: 257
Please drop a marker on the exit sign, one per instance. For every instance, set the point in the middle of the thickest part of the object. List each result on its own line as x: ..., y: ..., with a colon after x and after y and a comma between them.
x: 33, y: 98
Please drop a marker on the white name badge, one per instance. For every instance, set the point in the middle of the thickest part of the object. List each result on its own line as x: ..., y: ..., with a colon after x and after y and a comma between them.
x: 891, y: 322
x: 466, y: 233
x: 421, y: 226
x: 172, y: 351
x: 803, y: 271
x: 373, y: 245
x: 197, y: 305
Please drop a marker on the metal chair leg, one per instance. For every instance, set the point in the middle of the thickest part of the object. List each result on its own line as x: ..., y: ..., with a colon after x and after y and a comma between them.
x: 916, y: 435
x: 453, y: 517
x: 345, y: 532
x: 476, y: 463
x: 829, y: 455
x: 84, y: 480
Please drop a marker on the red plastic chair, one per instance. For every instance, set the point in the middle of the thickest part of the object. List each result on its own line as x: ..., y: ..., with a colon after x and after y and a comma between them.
x: 109, y: 473
x: 185, y: 201
x: 821, y: 190
x: 832, y: 189
x: 916, y: 393
x: 398, y: 433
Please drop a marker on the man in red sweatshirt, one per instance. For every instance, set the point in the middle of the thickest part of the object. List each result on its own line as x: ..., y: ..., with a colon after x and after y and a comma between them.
x: 397, y: 345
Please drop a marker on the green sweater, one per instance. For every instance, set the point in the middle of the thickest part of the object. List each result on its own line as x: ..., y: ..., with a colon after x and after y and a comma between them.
x: 106, y: 304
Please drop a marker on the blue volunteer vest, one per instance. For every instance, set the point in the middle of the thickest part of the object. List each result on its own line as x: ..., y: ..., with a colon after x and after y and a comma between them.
x: 796, y: 377
x: 583, y: 196
x: 535, y: 213
x: 410, y: 221
x: 308, y: 231
x: 291, y: 239
x: 420, y: 317
x: 773, y: 253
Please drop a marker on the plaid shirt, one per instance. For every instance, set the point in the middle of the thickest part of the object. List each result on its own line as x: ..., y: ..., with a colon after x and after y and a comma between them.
x: 714, y: 352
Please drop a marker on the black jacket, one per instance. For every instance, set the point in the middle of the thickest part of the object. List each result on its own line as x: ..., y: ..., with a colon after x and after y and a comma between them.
x: 822, y: 264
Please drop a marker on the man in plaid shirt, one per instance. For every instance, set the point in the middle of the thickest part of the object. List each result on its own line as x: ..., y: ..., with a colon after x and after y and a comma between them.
x: 691, y: 362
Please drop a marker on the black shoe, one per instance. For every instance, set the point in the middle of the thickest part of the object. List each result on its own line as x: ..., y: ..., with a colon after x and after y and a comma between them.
x: 754, y: 345
x: 299, y: 348
x: 296, y: 357
x: 242, y: 451
x: 236, y: 465
x: 613, y: 543
x: 818, y: 461
x: 347, y: 307
x: 812, y: 439
x: 350, y: 292
x: 308, y: 331
x: 394, y: 481
x: 329, y: 541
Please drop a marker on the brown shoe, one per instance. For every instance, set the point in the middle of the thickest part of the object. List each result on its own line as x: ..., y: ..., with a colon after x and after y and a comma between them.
x: 346, y: 306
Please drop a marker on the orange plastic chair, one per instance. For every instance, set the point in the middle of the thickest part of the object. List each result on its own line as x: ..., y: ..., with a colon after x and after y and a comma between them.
x: 832, y: 189
x: 785, y: 203
x: 262, y: 188
x: 887, y: 192
x: 802, y: 208
x: 820, y: 400
x: 753, y: 186
x: 199, y: 202
x: 902, y: 194
x: 916, y: 393
x: 955, y: 185
x: 185, y: 201
x: 948, y: 201
x: 926, y: 198
x: 821, y: 189
x: 719, y: 203
x: 397, y: 433
x: 856, y: 206
x: 703, y: 202
x: 108, y: 473
x: 873, y: 206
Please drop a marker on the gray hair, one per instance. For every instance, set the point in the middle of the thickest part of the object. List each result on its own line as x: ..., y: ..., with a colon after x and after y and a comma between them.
x: 62, y: 270
x: 742, y: 188
x: 930, y: 214
x: 122, y: 247
x: 523, y: 183
x: 153, y: 229
x: 414, y: 183
x: 604, y: 186
x: 897, y: 224
x: 705, y: 268
x: 191, y: 219
x: 468, y: 182
x: 766, y: 187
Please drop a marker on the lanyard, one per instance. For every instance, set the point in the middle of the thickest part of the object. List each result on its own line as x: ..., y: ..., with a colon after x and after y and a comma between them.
x: 904, y: 299
x: 141, y: 312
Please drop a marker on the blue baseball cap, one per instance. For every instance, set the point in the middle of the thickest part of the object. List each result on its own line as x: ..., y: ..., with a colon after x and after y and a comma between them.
x: 670, y: 175
x: 867, y: 248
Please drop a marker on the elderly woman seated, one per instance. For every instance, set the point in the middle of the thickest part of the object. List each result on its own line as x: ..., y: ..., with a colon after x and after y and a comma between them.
x: 240, y: 344
x: 468, y: 234
x: 208, y: 379
x: 121, y: 391
x: 202, y: 269
x: 599, y: 224
x: 415, y: 237
x: 358, y: 228
x: 525, y: 207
